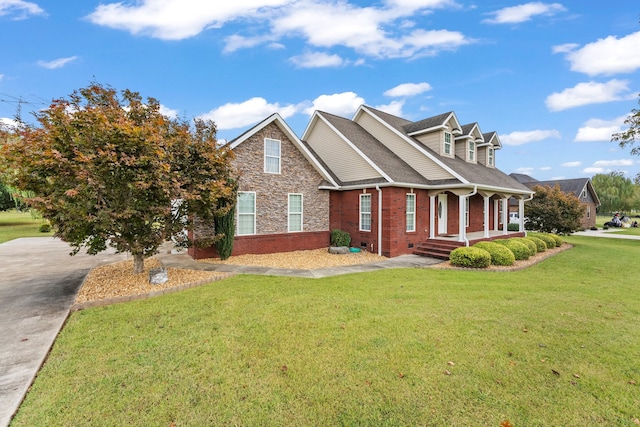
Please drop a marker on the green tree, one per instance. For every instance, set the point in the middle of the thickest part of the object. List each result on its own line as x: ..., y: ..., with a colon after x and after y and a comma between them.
x: 629, y: 137
x: 616, y: 193
x: 6, y: 201
x: 553, y: 211
x: 111, y: 170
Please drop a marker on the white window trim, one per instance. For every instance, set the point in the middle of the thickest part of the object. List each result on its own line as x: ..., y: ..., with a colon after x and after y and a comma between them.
x: 290, y: 214
x: 490, y: 157
x: 254, y: 214
x: 444, y: 144
x: 411, y: 224
x: 362, y: 213
x: 471, y: 154
x: 266, y: 156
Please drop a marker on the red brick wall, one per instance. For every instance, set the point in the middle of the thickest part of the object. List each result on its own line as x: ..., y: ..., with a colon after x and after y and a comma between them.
x: 269, y: 243
x: 345, y: 215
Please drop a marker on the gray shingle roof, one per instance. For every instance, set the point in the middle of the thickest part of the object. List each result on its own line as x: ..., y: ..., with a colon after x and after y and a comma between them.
x: 378, y: 153
x: 473, y: 173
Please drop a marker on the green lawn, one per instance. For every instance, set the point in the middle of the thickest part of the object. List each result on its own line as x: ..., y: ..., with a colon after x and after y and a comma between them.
x: 14, y: 224
x: 553, y: 345
x: 600, y: 220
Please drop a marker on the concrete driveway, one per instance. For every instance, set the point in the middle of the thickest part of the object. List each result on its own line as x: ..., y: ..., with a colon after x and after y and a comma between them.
x: 38, y: 284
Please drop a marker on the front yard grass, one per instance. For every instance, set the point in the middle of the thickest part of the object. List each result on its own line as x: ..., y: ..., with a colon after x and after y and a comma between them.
x: 14, y: 224
x: 554, y: 344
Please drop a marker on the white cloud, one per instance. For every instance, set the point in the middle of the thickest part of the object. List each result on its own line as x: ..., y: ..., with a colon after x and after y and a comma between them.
x: 249, y: 112
x: 7, y: 122
x: 173, y: 20
x: 525, y: 170
x: 564, y: 48
x: 394, y: 108
x: 341, y: 104
x: 317, y: 60
x: 523, y: 12
x: 607, y: 56
x: 373, y: 31
x: 57, y: 63
x: 599, y: 130
x: 524, y: 137
x: 612, y: 163
x: 1, y: 77
x: 571, y: 164
x: 593, y: 170
x: 408, y: 89
x: 588, y: 93
x: 19, y: 9
x: 166, y: 111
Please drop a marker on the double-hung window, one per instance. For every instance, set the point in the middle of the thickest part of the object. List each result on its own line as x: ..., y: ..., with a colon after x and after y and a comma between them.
x: 246, y: 213
x: 272, y: 155
x: 472, y: 151
x: 447, y: 143
x: 295, y: 212
x: 365, y: 212
x: 490, y: 155
x: 411, y: 212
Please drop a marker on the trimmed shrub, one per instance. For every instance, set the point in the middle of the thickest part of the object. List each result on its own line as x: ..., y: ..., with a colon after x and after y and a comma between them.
x: 541, y: 245
x: 45, y: 228
x: 340, y: 238
x: 513, y: 227
x: 533, y: 249
x: 470, y: 257
x: 500, y: 255
x: 548, y: 239
x: 558, y: 239
x: 519, y: 249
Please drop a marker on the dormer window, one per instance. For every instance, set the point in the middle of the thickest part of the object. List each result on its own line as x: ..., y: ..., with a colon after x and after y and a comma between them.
x: 447, y: 143
x: 472, y: 151
x: 490, y: 155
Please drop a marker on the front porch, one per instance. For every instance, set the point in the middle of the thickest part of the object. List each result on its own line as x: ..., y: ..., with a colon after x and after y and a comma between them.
x: 441, y: 246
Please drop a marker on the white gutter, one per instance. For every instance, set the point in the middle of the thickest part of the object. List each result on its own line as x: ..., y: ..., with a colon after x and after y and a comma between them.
x: 379, y: 220
x: 426, y: 187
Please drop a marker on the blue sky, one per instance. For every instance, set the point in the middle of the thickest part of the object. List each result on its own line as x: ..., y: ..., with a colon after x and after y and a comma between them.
x: 553, y: 79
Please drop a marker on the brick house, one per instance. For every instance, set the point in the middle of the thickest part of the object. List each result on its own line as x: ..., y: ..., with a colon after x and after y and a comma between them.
x: 396, y: 186
x: 582, y: 188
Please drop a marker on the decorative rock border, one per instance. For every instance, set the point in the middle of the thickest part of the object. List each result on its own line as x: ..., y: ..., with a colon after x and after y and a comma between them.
x: 146, y: 295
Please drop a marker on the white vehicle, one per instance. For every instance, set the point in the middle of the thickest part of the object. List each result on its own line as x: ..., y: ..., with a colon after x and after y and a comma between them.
x: 513, y: 218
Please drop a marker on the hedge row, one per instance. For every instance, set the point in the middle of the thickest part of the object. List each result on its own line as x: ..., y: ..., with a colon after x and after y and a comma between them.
x: 503, y: 252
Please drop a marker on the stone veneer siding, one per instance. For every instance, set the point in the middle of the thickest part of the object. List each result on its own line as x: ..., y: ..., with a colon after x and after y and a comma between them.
x: 272, y: 191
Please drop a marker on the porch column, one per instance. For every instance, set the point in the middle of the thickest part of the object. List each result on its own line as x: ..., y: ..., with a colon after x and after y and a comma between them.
x: 486, y: 216
x: 496, y: 214
x: 505, y: 216
x: 521, y: 214
x: 462, y: 226
x: 432, y: 216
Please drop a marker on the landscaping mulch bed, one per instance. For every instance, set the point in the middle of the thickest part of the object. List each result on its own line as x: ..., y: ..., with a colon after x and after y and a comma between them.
x: 117, y: 280
x: 302, y: 260
x: 518, y: 265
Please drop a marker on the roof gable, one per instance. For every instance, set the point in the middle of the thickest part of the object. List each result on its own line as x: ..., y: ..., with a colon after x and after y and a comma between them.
x: 284, y: 127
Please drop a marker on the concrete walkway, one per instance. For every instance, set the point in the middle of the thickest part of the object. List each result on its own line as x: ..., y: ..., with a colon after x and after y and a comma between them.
x: 38, y: 284
x: 611, y: 233
x: 404, y: 261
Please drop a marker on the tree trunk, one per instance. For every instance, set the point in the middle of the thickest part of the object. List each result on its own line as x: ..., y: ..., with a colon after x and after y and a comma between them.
x: 138, y: 263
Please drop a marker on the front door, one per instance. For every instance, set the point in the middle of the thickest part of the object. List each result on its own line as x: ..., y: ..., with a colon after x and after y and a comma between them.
x: 442, y: 214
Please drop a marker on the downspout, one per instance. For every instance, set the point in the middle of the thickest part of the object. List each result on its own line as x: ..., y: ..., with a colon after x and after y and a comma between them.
x: 522, y: 214
x: 461, y: 216
x: 379, y: 220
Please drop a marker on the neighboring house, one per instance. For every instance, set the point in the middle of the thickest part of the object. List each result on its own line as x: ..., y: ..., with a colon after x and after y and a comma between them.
x: 394, y: 185
x: 582, y: 188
